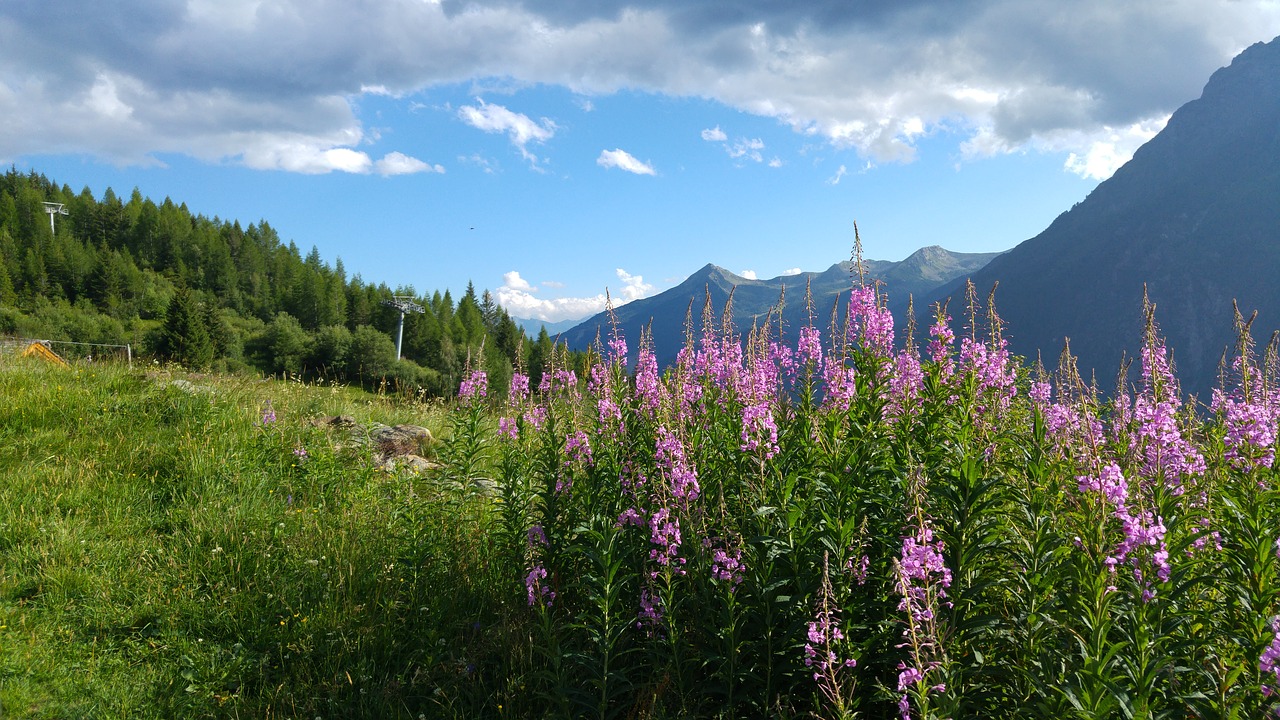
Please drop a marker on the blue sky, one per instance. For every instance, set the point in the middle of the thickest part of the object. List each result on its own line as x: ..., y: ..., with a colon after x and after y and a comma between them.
x: 550, y: 150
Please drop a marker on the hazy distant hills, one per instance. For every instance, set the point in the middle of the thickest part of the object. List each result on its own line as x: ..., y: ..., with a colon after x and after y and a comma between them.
x: 1195, y: 215
x: 924, y: 272
x: 533, y: 326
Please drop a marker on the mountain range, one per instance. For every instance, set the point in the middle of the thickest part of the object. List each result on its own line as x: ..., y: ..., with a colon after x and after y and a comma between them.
x: 1193, y: 220
x: 925, y: 271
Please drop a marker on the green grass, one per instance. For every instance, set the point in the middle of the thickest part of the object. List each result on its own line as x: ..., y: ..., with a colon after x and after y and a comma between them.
x: 165, y: 554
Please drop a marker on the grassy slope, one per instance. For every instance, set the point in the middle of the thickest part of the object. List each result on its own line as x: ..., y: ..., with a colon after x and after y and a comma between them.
x: 165, y: 554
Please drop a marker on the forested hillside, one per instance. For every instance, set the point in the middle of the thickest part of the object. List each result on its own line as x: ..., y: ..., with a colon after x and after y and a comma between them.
x: 213, y: 293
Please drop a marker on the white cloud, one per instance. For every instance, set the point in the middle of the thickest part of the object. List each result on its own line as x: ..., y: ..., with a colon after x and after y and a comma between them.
x: 623, y: 160
x: 304, y: 156
x: 517, y: 296
x: 552, y: 284
x: 747, y: 149
x: 130, y: 82
x: 840, y: 173
x: 791, y: 271
x: 397, y: 163
x: 741, y: 149
x: 633, y: 286
x: 748, y: 275
x: 488, y: 166
x: 1106, y: 154
x: 519, y: 128
x: 775, y: 163
x: 714, y: 134
x: 513, y: 281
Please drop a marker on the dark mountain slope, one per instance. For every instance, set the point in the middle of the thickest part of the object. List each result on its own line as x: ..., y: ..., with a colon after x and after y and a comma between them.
x: 1195, y: 215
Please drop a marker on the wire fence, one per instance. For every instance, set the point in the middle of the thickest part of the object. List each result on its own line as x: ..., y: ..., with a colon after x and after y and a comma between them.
x: 71, y: 351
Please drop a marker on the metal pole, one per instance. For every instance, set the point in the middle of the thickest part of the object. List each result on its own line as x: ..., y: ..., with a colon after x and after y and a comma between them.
x: 51, y: 230
x: 128, y: 349
x: 399, y: 335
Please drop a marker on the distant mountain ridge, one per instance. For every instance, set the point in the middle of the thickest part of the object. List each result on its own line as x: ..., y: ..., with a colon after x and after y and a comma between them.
x: 923, y: 272
x: 1195, y: 216
x: 533, y: 326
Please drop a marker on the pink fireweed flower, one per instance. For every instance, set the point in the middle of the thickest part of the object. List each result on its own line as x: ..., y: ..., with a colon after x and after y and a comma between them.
x: 1158, y: 439
x: 1251, y: 428
x: 1039, y: 394
x: 727, y: 567
x: 784, y: 360
x: 268, y: 415
x: 809, y: 348
x: 909, y: 676
x: 579, y: 449
x: 474, y: 387
x: 759, y: 431
x: 519, y: 388
x: 670, y: 457
x: 630, y: 517
x: 994, y: 372
x: 859, y: 569
x: 664, y: 534
x: 1157, y: 376
x: 1111, y: 483
x: 650, y: 614
x: 870, y: 324
x: 823, y: 633
x: 560, y: 380
x: 841, y: 386
x: 922, y: 579
x: 617, y: 350
x: 536, y: 417
x: 904, y: 387
x: 648, y: 386
x: 508, y: 427
x: 609, y: 412
x: 1269, y: 663
x: 538, y: 593
x: 1141, y: 530
x: 537, y: 536
x: 941, y: 339
x: 922, y: 562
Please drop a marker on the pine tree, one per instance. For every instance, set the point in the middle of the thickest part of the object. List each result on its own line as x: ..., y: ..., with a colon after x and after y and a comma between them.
x: 184, y: 336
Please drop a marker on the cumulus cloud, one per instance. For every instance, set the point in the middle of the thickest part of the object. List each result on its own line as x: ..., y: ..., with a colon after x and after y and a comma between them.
x: 623, y: 160
x: 748, y: 275
x: 714, y: 134
x: 281, y: 88
x: 397, y: 163
x: 791, y: 271
x: 633, y: 286
x: 1106, y: 154
x: 519, y: 298
x: 840, y: 173
x: 513, y: 281
x: 519, y: 128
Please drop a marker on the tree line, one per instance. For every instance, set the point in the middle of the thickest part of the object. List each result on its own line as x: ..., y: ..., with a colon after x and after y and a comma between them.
x: 211, y: 293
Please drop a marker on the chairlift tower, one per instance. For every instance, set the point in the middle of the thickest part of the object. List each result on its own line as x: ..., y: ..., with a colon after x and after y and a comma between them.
x: 54, y: 208
x: 404, y: 304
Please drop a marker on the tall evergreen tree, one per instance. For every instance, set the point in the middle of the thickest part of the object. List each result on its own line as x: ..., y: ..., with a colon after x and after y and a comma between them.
x: 184, y: 336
